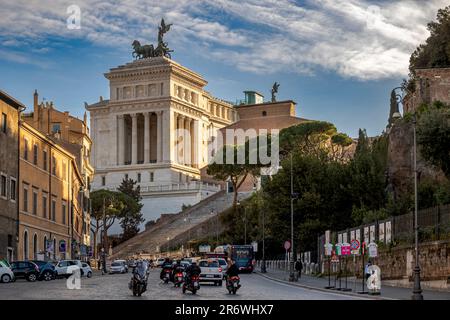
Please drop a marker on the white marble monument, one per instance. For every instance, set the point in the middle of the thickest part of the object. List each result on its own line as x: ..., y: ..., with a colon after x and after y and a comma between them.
x: 156, y: 128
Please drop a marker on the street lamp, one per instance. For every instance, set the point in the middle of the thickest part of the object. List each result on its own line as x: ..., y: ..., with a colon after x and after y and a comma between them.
x: 293, y: 196
x: 417, y: 291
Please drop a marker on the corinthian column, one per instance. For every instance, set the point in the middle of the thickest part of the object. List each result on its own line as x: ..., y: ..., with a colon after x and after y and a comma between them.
x: 187, y: 142
x: 158, y: 136
x: 121, y: 140
x: 134, y: 148
x: 146, y: 137
x: 180, y: 140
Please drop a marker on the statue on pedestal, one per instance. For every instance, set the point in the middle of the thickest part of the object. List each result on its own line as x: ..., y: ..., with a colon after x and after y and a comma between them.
x: 274, y: 91
x: 149, y: 51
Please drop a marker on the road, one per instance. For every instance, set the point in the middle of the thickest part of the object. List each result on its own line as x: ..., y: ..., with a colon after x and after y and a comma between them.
x: 116, y: 287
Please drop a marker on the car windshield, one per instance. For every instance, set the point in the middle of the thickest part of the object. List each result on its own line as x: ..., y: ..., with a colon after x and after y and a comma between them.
x: 4, y: 263
x: 209, y: 264
x: 116, y: 264
x: 222, y: 262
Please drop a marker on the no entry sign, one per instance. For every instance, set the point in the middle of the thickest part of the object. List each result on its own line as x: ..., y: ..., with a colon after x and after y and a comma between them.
x: 287, y: 245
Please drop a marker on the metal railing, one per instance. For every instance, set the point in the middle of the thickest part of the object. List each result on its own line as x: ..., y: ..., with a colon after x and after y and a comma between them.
x: 188, y: 186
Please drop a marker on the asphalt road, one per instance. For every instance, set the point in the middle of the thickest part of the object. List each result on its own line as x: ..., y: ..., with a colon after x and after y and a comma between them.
x: 115, y: 287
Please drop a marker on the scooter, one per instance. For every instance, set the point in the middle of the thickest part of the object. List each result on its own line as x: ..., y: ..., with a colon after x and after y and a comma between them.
x: 178, y: 279
x: 138, y: 283
x: 166, y: 276
x: 193, y: 285
x: 233, y: 284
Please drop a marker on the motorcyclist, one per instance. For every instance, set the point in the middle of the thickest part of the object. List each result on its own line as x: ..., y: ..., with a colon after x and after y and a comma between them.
x: 232, y: 270
x: 166, y: 266
x: 192, y: 270
x: 177, y: 267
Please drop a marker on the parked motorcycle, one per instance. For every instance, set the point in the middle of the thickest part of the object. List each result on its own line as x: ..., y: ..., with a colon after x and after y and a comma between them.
x: 138, y: 283
x: 233, y: 284
x: 193, y: 285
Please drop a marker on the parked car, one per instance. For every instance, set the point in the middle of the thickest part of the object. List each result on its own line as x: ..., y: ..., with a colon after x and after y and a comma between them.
x: 223, y: 264
x: 210, y: 271
x: 25, y: 269
x: 118, y: 267
x: 63, y: 265
x: 86, y: 269
x: 46, y: 270
x: 6, y: 274
x: 124, y: 263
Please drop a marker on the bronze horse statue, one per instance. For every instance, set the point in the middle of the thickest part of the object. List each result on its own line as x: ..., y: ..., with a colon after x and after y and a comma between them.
x: 145, y: 51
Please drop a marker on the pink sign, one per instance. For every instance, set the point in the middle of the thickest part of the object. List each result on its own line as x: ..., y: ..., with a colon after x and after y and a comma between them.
x: 346, y: 249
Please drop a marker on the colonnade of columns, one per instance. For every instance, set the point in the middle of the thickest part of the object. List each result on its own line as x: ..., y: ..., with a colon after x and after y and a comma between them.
x: 133, y: 147
x: 186, y: 140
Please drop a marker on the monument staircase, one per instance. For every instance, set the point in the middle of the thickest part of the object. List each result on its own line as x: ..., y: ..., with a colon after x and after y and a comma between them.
x: 172, y: 227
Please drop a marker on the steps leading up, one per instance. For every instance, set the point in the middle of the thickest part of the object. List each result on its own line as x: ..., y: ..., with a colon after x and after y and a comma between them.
x: 173, y: 226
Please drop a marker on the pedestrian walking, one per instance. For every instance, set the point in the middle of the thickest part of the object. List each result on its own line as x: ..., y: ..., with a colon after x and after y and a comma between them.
x: 366, y: 269
x: 103, y: 259
x: 298, y: 269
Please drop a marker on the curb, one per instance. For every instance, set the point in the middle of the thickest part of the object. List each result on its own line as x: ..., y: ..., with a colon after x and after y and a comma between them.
x: 368, y: 297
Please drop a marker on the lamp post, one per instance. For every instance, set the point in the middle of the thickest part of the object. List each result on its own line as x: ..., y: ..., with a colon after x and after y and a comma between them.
x: 244, y: 219
x: 291, y: 262
x: 417, y: 290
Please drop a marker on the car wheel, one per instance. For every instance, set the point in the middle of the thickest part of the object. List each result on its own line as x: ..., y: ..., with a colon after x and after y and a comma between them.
x: 47, y: 276
x: 89, y: 274
x: 6, y: 278
x: 31, y: 277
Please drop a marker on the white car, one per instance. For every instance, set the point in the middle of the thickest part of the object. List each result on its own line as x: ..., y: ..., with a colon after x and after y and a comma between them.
x: 118, y: 266
x: 65, y: 267
x: 86, y: 269
x: 6, y: 275
x: 210, y: 271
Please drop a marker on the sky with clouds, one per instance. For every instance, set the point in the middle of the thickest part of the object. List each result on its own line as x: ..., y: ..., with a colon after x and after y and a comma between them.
x: 337, y: 59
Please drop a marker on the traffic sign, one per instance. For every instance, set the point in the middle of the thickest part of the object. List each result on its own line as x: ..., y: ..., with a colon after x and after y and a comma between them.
x: 354, y: 245
x: 373, y: 250
x: 345, y: 249
x: 328, y: 249
x: 287, y: 245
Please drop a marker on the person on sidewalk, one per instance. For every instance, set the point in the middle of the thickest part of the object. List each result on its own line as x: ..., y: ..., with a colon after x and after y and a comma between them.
x: 103, y: 258
x: 366, y: 269
x: 298, y: 268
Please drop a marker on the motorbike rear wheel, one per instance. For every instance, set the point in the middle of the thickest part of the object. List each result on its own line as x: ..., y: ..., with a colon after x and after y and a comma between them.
x: 234, y: 290
x: 194, y: 291
x: 184, y: 289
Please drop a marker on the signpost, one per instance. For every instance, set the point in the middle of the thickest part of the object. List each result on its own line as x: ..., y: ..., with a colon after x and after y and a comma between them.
x: 346, y: 251
x: 339, y: 274
x: 363, y: 252
x: 328, y: 253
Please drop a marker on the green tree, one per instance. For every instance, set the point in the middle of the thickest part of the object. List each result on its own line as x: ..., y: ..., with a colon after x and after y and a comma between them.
x: 131, y: 214
x: 433, y: 136
x: 234, y: 170
x: 107, y: 206
x: 435, y: 52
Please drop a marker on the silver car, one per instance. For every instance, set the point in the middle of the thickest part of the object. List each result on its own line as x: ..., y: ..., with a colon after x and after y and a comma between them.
x: 118, y: 267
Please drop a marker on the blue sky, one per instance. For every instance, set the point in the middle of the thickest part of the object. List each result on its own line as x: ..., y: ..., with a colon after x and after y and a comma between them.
x: 337, y: 59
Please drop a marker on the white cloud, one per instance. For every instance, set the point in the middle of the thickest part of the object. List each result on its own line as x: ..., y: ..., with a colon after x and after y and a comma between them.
x: 353, y: 38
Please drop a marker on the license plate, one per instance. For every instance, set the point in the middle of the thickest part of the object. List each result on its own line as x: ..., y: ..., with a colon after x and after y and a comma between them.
x: 180, y: 278
x: 195, y: 283
x: 210, y: 276
x: 235, y: 284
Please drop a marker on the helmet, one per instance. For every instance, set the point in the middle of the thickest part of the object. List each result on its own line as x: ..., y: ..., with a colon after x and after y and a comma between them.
x: 178, y: 261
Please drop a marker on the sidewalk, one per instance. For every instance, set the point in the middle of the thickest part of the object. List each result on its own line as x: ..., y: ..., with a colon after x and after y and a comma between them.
x: 387, y: 292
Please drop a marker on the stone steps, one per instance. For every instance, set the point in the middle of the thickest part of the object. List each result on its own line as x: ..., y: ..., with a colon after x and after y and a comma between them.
x: 174, y: 226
